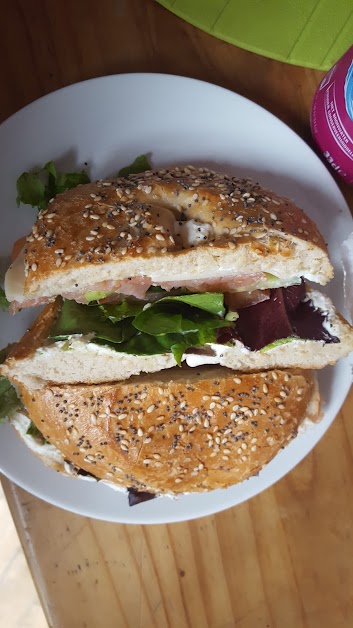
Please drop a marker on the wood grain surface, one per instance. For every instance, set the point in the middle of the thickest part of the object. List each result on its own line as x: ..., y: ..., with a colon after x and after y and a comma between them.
x: 281, y: 560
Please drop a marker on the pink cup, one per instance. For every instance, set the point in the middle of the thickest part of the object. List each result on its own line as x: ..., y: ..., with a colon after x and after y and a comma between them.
x: 332, y: 116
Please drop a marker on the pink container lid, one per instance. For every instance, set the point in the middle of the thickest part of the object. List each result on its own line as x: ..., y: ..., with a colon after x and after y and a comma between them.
x: 332, y: 116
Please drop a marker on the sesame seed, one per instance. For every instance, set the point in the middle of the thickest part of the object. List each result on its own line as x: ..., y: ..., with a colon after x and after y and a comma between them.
x: 244, y: 446
x: 148, y: 440
x: 159, y: 236
x: 206, y: 423
x: 225, y: 458
x: 89, y: 238
x: 178, y: 480
x: 140, y: 432
x: 147, y: 461
x: 265, y: 388
x: 34, y: 267
x: 58, y: 262
x: 90, y: 204
x: 181, y: 428
x: 237, y: 380
x: 226, y: 451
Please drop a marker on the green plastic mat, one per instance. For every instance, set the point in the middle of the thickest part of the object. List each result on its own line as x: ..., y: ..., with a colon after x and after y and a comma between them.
x: 311, y: 33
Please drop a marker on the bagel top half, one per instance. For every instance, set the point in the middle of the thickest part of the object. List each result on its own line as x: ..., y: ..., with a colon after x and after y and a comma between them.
x: 183, y: 223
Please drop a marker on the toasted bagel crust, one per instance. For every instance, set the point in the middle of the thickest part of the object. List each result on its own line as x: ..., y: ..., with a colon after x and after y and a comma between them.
x: 183, y: 430
x: 127, y: 227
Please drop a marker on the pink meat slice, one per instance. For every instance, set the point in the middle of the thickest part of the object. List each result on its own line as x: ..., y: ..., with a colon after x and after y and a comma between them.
x: 217, y: 284
x: 138, y: 286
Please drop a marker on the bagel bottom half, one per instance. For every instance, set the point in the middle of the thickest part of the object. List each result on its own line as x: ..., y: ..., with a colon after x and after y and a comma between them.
x: 177, y: 431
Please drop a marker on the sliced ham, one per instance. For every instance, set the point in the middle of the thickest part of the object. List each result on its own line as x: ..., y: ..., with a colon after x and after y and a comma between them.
x: 218, y: 284
x: 135, y: 287
x: 16, y: 306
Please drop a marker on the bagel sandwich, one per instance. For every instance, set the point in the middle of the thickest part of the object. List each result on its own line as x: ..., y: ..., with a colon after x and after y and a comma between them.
x: 175, y: 266
x: 175, y: 228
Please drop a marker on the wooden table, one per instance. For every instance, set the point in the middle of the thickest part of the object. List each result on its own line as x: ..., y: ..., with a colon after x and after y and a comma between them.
x: 285, y: 558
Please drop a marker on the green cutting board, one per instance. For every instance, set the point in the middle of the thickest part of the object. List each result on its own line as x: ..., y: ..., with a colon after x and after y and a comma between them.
x: 311, y: 33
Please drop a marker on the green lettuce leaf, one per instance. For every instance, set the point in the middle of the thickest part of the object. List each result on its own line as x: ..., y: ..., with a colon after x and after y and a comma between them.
x: 172, y: 324
x: 158, y: 321
x: 34, y: 431
x: 4, y: 304
x: 212, y: 302
x: 9, y: 401
x: 75, y: 318
x: 95, y: 296
x: 277, y: 343
x: 125, y: 309
x: 181, y: 315
x: 36, y: 188
x: 141, y: 344
x: 140, y: 164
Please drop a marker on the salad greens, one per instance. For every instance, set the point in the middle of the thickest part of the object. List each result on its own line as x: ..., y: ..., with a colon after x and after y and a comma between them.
x: 4, y: 304
x: 36, y: 188
x: 277, y: 343
x: 32, y: 430
x: 76, y: 318
x: 140, y: 164
x: 171, y: 324
x: 9, y: 401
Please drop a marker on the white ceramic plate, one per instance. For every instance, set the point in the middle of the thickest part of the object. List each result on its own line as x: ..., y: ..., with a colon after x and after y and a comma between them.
x: 107, y: 122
